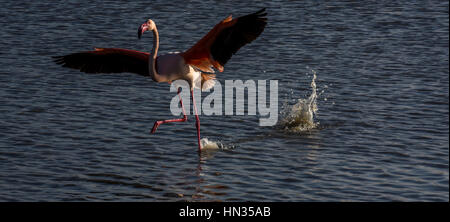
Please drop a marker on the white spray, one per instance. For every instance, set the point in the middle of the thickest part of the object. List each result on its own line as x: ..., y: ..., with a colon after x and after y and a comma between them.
x: 300, y: 116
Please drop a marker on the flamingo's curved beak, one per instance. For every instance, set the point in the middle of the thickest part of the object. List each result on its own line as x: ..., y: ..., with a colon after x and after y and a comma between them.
x: 142, y: 29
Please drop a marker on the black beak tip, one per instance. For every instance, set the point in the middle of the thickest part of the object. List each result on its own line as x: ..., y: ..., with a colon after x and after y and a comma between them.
x: 139, y: 33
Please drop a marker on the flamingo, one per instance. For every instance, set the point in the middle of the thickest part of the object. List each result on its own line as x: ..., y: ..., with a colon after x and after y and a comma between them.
x: 194, y: 65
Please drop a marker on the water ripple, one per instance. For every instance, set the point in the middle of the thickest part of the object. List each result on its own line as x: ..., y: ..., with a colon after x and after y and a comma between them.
x: 382, y: 105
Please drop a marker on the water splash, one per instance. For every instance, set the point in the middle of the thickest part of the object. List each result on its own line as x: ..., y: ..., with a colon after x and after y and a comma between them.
x: 300, y: 116
x: 207, y: 144
x: 214, y: 145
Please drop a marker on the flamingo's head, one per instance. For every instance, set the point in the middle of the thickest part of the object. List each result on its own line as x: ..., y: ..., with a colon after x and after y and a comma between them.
x: 148, y: 26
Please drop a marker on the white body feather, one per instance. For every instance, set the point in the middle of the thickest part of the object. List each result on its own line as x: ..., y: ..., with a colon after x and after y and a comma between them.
x: 171, y: 67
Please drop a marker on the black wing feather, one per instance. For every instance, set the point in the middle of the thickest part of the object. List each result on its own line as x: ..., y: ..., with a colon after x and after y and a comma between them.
x: 106, y: 60
x: 231, y: 39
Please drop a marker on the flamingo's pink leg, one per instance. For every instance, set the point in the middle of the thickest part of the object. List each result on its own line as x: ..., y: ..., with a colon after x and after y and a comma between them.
x: 197, y: 122
x: 184, y: 119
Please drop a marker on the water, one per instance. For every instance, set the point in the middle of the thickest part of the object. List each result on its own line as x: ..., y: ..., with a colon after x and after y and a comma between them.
x: 380, y: 129
x: 300, y: 116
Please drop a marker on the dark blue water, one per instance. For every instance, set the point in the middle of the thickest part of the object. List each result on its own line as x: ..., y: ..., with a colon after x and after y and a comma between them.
x: 383, y: 105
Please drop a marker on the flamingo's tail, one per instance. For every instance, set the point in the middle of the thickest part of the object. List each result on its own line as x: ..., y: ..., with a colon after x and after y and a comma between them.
x: 208, y: 84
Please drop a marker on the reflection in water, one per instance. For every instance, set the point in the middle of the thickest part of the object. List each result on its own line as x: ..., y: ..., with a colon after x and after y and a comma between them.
x: 204, y: 191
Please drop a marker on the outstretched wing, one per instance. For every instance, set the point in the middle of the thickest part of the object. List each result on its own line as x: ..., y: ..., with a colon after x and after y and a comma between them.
x: 107, y: 60
x: 224, y: 40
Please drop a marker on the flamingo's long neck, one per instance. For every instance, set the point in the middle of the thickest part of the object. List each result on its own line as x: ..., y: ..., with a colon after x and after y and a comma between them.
x: 152, y: 63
